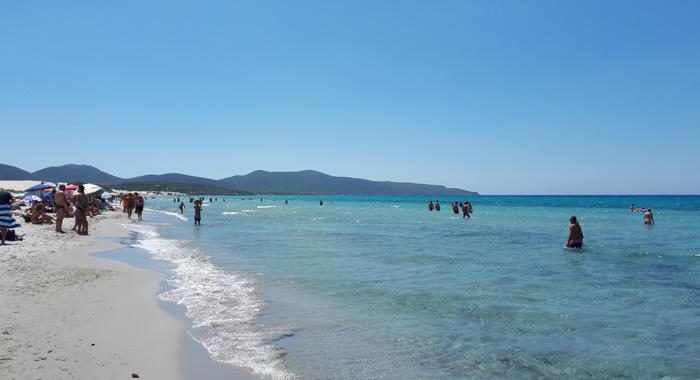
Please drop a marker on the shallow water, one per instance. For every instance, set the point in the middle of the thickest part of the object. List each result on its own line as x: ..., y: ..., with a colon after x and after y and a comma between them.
x: 380, y: 288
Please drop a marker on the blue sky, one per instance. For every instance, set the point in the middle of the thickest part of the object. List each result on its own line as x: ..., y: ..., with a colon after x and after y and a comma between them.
x: 501, y: 97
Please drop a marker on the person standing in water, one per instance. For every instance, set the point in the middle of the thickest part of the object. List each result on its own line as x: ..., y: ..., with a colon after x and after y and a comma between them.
x: 321, y: 203
x: 437, y: 205
x: 455, y: 208
x: 575, y: 234
x: 431, y: 207
x: 649, y: 217
x: 182, y: 208
x: 465, y: 210
x: 198, y: 213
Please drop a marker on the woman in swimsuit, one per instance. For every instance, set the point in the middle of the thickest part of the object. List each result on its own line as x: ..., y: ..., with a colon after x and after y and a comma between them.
x: 649, y: 217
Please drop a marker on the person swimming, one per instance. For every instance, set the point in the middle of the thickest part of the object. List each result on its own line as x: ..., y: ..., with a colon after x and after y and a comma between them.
x: 575, y: 234
x: 649, y: 217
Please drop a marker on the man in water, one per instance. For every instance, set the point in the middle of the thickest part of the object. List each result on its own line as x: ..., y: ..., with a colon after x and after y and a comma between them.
x: 198, y: 213
x: 321, y: 203
x: 455, y: 208
x: 649, y: 217
x: 431, y: 207
x: 632, y: 208
x: 182, y: 208
x: 575, y: 234
x: 465, y: 210
x: 437, y: 205
x: 61, y: 204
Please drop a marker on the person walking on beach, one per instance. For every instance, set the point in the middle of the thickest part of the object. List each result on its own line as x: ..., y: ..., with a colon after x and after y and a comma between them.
x: 61, y: 204
x: 130, y: 203
x: 575, y: 234
x: 6, y: 220
x: 182, y: 208
x: 649, y: 217
x: 198, y: 213
x: 138, y: 204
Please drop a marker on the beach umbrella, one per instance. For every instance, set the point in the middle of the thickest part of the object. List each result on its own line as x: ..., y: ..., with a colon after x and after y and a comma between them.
x: 91, y: 188
x: 106, y: 195
x: 71, y: 187
x: 40, y: 187
x: 30, y: 199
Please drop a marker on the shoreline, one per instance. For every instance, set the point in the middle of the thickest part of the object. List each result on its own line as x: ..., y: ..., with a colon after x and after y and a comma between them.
x: 71, y: 313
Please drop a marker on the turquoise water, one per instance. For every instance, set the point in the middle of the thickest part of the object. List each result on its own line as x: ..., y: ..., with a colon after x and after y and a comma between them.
x: 380, y: 288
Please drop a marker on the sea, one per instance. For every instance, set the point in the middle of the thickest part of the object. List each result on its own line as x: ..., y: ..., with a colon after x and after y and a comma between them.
x: 381, y: 288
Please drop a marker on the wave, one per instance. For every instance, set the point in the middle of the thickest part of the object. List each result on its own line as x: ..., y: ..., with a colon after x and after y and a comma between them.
x: 267, y: 206
x: 168, y: 213
x: 222, y: 305
x: 248, y: 210
x: 230, y: 213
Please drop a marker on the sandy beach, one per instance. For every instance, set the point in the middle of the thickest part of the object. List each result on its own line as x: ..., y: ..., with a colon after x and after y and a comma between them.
x: 68, y: 315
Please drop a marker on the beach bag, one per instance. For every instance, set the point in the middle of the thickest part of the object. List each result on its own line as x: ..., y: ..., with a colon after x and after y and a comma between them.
x: 12, y: 236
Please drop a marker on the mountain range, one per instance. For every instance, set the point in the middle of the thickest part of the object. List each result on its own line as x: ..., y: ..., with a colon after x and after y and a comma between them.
x: 258, y: 182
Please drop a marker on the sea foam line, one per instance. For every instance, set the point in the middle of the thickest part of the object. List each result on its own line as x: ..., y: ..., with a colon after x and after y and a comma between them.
x: 168, y: 213
x: 222, y: 305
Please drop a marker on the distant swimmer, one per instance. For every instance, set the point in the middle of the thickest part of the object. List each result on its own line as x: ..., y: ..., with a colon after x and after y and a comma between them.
x: 575, y: 234
x: 437, y: 205
x: 198, y: 213
x: 632, y: 208
x: 431, y: 206
x: 321, y: 203
x: 286, y: 202
x: 182, y: 208
x: 455, y: 208
x: 649, y: 217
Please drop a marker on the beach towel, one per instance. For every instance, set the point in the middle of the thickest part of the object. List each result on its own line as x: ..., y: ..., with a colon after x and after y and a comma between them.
x: 6, y: 219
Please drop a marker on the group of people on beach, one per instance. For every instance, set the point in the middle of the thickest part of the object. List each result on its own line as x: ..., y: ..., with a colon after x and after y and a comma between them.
x: 133, y: 202
x: 465, y: 207
x: 62, y: 204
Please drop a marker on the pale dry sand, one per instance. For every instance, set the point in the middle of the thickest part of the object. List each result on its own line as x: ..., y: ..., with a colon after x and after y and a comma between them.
x: 67, y: 315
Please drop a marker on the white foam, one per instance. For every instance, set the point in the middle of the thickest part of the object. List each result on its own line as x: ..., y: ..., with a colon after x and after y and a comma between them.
x: 222, y: 305
x: 168, y: 213
x: 267, y: 206
x: 248, y: 210
x: 230, y: 213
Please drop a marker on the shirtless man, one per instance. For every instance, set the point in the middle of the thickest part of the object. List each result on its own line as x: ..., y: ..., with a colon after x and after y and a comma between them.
x: 182, y: 208
x: 575, y: 234
x: 465, y: 210
x: 61, y: 205
x: 649, y: 217
x: 138, y: 204
x: 198, y: 213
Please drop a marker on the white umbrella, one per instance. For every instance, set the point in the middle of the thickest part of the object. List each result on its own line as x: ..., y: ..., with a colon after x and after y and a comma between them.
x: 31, y: 198
x: 91, y: 188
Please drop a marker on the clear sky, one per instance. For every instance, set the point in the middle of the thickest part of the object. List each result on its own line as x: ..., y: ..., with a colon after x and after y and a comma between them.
x: 514, y: 97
